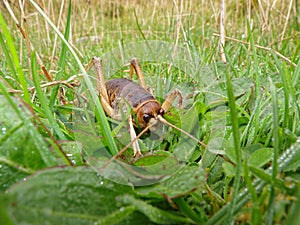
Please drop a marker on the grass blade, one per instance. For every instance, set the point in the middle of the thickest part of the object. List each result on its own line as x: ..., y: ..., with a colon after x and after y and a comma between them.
x: 243, y: 198
x: 187, y: 210
x: 276, y: 143
x: 236, y: 138
x: 62, y: 58
x: 43, y: 100
x: 15, y: 58
x: 7, y: 57
x: 100, y: 115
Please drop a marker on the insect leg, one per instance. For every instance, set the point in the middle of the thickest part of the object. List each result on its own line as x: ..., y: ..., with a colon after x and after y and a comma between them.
x: 135, y: 144
x: 134, y: 65
x: 101, y: 88
x: 170, y: 99
x: 106, y: 106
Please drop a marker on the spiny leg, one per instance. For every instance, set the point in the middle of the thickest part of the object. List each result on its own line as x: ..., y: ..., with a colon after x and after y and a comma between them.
x: 135, y: 144
x: 101, y: 88
x: 97, y: 64
x: 171, y: 98
x: 134, y: 65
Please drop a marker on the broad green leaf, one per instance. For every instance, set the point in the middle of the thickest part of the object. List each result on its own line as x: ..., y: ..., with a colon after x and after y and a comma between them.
x: 184, y: 181
x: 67, y: 196
x: 117, y: 216
x: 10, y: 173
x: 260, y: 157
x: 256, y: 155
x: 155, y: 214
x: 73, y: 151
x: 16, y: 142
x: 5, y: 218
x: 229, y: 169
x: 160, y: 163
x: 190, y: 123
x: 136, y: 218
x: 257, y: 159
x: 148, y: 169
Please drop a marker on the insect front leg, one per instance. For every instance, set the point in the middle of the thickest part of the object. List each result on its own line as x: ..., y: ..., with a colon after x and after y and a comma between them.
x: 135, y: 144
x: 171, y: 98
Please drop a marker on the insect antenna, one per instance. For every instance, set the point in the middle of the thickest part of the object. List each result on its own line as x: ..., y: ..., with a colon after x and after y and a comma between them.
x: 127, y: 146
x: 161, y: 119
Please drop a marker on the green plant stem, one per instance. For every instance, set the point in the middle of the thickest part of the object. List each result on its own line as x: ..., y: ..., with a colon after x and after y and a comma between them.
x: 236, y: 138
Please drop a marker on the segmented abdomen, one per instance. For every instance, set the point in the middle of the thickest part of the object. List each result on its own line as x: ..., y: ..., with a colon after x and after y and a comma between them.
x: 121, y: 88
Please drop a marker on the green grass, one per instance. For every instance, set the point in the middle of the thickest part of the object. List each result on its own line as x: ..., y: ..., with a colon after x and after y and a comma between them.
x: 56, y: 141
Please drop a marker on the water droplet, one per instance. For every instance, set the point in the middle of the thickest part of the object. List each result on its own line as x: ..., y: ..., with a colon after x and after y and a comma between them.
x: 101, y: 182
x: 3, y: 130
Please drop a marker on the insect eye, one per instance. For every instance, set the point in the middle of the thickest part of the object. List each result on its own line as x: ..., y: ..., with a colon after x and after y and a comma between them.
x: 146, y: 118
x: 161, y: 112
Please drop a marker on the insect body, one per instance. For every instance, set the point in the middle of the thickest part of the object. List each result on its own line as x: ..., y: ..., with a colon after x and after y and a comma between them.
x: 116, y: 94
x: 143, y: 103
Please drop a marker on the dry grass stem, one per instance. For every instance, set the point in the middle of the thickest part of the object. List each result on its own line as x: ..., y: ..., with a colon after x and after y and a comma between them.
x: 286, y: 21
x: 222, y: 31
x: 70, y: 83
x: 58, y: 25
x: 25, y: 36
x: 261, y: 47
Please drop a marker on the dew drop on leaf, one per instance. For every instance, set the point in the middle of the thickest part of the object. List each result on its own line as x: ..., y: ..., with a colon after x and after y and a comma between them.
x: 3, y: 130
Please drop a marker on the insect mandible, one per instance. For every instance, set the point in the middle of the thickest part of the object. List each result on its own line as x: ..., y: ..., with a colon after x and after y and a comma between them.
x: 121, y: 91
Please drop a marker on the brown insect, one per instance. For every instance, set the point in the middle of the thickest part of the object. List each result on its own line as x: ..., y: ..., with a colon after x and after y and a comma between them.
x: 116, y: 94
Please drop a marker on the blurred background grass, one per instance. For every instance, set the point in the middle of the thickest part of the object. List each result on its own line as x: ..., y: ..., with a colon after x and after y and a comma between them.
x: 97, y: 26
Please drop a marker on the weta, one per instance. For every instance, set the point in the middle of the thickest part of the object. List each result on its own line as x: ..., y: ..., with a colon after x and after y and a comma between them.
x: 116, y: 94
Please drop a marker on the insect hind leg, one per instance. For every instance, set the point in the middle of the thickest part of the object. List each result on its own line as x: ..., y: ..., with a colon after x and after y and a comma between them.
x: 134, y: 66
x: 101, y: 88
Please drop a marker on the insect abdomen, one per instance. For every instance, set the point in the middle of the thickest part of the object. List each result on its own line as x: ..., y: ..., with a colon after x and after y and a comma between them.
x: 128, y: 90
